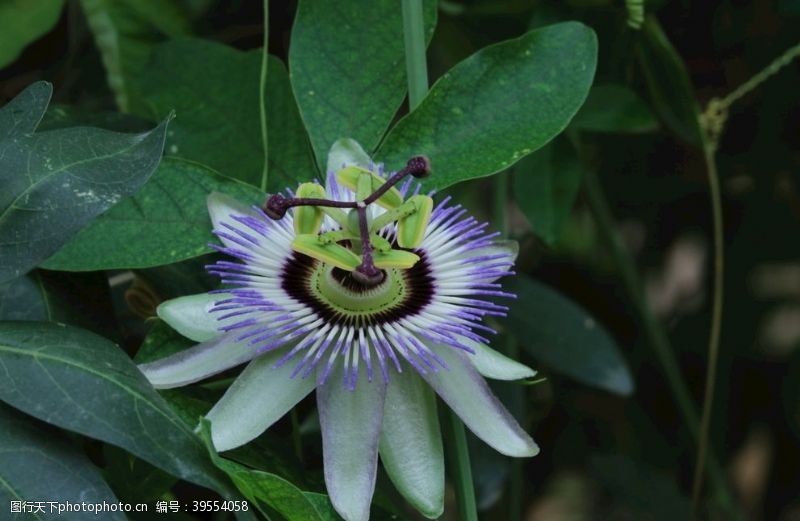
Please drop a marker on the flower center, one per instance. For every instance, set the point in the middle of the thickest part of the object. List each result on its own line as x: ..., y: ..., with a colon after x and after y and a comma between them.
x: 356, y: 232
x: 339, y: 297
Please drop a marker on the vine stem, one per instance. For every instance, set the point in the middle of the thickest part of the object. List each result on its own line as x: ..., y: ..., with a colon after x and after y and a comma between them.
x: 262, y: 106
x: 713, y: 123
x: 709, y: 150
x: 417, y: 75
x: 656, y: 337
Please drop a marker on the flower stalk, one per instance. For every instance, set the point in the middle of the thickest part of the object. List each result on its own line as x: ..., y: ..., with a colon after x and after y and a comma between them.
x: 417, y: 72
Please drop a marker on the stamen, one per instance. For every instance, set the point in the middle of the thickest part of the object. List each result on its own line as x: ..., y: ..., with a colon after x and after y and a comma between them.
x: 366, y: 273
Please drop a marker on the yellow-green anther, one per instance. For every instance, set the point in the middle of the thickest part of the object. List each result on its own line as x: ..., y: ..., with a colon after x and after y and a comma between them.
x: 363, y: 186
x: 336, y: 214
x: 335, y: 236
x: 411, y: 228
x: 394, y: 259
x: 390, y: 216
x: 329, y: 253
x: 349, y: 177
x: 308, y: 219
x: 379, y: 243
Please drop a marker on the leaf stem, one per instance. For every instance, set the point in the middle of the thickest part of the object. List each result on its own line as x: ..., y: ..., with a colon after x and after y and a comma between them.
x: 459, y: 456
x: 515, y: 486
x: 262, y: 89
x: 416, y: 67
x: 414, y: 38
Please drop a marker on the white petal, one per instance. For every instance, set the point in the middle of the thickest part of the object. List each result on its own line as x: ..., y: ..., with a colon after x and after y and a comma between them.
x: 507, y: 247
x: 190, y: 316
x: 495, y: 365
x: 199, y: 362
x: 411, y: 442
x: 351, y: 424
x: 220, y: 208
x: 259, y: 397
x: 346, y: 151
x: 467, y: 393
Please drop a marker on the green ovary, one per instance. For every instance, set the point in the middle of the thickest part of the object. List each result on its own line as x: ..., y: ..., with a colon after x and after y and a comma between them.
x: 362, y: 302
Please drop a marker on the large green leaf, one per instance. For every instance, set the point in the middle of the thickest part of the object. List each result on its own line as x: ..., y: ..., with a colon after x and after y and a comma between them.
x: 24, y: 22
x: 55, y: 182
x: 546, y: 184
x: 264, y: 488
x: 22, y: 114
x: 564, y: 337
x: 614, y: 108
x: 217, y: 120
x: 668, y: 82
x: 165, y: 222
x: 498, y: 105
x: 84, y: 383
x: 348, y: 68
x: 39, y: 465
x: 79, y: 299
x: 125, y: 31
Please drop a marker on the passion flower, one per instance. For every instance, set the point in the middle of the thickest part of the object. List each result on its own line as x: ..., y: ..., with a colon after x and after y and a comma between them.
x: 369, y: 293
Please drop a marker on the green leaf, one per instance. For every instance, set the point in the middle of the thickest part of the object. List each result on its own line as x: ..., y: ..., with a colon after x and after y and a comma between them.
x: 78, y: 299
x: 614, y: 108
x: 217, y: 120
x: 125, y: 31
x: 22, y: 114
x: 546, y: 184
x: 263, y: 488
x: 498, y: 105
x: 668, y: 82
x: 23, y: 298
x: 165, y: 222
x: 55, y: 182
x: 161, y: 341
x: 348, y: 69
x: 37, y: 464
x: 132, y: 479
x: 22, y: 23
x: 82, y: 382
x: 560, y: 334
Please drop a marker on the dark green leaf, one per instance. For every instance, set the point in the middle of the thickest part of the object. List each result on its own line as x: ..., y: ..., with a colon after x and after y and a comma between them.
x: 348, y: 69
x: 82, y: 382
x: 24, y: 22
x: 634, y: 488
x: 165, y: 222
x: 561, y: 335
x: 37, y: 464
x: 132, y: 479
x: 263, y: 488
x: 79, y: 299
x: 668, y: 82
x: 125, y: 32
x: 55, y: 182
x: 22, y: 114
x: 545, y: 186
x: 323, y: 505
x: 218, y: 122
x: 498, y: 105
x: 614, y: 108
x: 63, y: 116
x: 23, y: 298
x: 161, y: 341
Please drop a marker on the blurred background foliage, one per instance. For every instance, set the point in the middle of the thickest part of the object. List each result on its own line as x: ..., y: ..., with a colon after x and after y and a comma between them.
x: 609, y: 451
